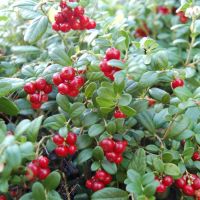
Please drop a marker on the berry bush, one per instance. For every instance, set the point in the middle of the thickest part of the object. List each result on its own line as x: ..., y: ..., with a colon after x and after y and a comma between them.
x: 100, y: 100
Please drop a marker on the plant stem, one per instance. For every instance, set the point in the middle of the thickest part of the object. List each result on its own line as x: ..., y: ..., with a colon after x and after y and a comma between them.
x: 193, y: 37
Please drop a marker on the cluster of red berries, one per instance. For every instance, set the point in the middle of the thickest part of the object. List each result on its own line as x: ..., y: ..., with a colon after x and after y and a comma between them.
x: 113, y: 149
x: 66, y: 145
x: 108, y: 70
x: 177, y: 83
x: 182, y: 18
x: 165, y: 182
x: 38, y: 168
x: 143, y: 31
x: 189, y: 184
x: 2, y: 197
x: 99, y: 180
x: 196, y: 156
x: 119, y: 114
x: 72, y: 19
x: 67, y: 82
x: 37, y: 92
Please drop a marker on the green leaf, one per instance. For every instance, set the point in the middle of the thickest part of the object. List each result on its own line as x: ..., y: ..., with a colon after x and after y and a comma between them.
x: 171, y: 170
x: 116, y: 63
x: 84, y: 155
x: 98, y: 153
x: 90, y: 119
x: 55, y: 122
x: 110, y: 194
x: 125, y: 100
x: 3, y: 130
x: 145, y: 119
x: 119, y: 82
x: 148, y: 178
x: 52, y: 181
x: 63, y: 102
x: 59, y: 56
x: 76, y: 109
x: 28, y: 196
x: 63, y: 131
x: 38, y: 191
x: 27, y: 150
x: 34, y: 128
x: 187, y: 153
x: 25, y: 50
x: 84, y: 141
x: 150, y: 189
x: 8, y: 107
x: 159, y: 95
x: 109, y: 167
x: 36, y: 29
x: 95, y: 130
x: 138, y: 162
x: 4, y: 185
x: 182, y: 93
x: 22, y: 127
x: 128, y: 111
x: 89, y: 90
x: 5, y: 88
x: 111, y: 127
x: 13, y: 156
x: 158, y: 165
x: 53, y: 195
x: 95, y: 166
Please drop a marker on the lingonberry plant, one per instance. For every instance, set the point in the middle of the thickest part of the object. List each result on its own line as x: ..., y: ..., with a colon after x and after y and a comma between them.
x: 100, y: 100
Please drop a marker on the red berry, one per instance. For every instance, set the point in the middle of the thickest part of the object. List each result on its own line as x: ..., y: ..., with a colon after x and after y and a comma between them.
x: 63, y: 4
x: 65, y: 27
x: 110, y: 75
x: 151, y: 102
x: 79, y: 81
x: 76, y: 25
x: 57, y: 139
x: 111, y: 156
x: 89, y: 184
x: 119, y: 147
x: 118, y: 159
x: 29, y: 88
x: 101, y: 175
x: 32, y: 169
x: 43, y: 173
x: 196, y: 156
x: 67, y: 73
x: 112, y: 53
x: 97, y: 185
x: 35, y: 98
x: 119, y: 114
x: 167, y: 180
x: 36, y: 105
x: 57, y: 79
x: 2, y: 197
x: 48, y: 89
x: 63, y: 89
x: 177, y: 83
x: 161, y: 188
x: 73, y: 93
x: 40, y: 83
x: 79, y: 11
x: 72, y: 149
x: 196, y: 184
x: 84, y: 20
x: 55, y: 26
x: 105, y: 67
x: 188, y: 190
x: 107, y: 145
x: 44, y: 98
x: 61, y: 151
x: 180, y: 183
x: 182, y: 18
x: 91, y: 24
x: 71, y: 138
x: 163, y: 10
x: 43, y: 161
x: 59, y: 18
x: 108, y: 179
